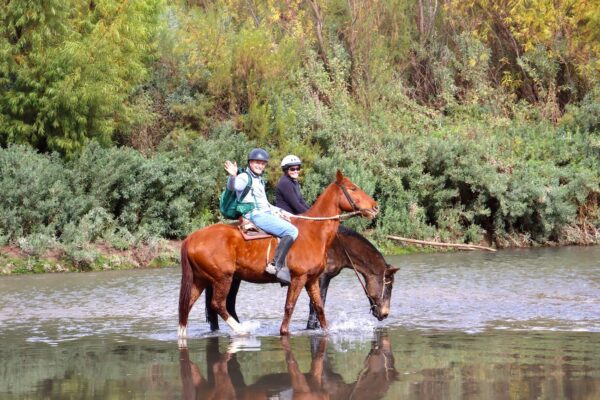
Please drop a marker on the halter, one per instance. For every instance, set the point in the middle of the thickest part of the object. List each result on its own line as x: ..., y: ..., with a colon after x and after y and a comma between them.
x: 385, y: 281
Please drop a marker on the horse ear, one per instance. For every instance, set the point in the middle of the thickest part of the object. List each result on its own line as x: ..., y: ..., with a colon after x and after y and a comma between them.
x: 392, y: 271
x: 339, y: 176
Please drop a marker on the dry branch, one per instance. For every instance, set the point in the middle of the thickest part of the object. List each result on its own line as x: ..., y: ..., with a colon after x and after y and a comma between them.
x: 458, y: 246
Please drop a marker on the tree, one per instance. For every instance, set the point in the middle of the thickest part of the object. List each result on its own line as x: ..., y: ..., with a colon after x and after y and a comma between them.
x: 68, y: 69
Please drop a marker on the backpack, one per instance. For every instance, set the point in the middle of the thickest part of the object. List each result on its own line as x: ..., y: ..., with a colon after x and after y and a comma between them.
x: 230, y: 206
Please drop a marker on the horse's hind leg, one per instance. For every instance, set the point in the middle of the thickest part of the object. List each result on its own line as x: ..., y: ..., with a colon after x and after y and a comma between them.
x: 211, y: 315
x: 313, y: 322
x: 220, y: 290
x: 231, y: 297
x: 196, y: 289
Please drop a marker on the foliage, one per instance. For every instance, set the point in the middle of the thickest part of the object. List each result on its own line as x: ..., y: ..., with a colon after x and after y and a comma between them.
x: 68, y: 69
x: 468, y: 121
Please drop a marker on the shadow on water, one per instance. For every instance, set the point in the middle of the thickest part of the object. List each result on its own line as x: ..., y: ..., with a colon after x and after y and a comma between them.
x: 224, y: 377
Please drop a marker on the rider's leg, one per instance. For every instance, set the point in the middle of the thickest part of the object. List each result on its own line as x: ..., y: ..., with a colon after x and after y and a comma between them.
x: 288, y: 233
x: 282, y: 272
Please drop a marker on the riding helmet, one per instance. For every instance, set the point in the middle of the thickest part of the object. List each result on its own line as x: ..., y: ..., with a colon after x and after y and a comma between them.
x: 290, y: 161
x: 258, y: 154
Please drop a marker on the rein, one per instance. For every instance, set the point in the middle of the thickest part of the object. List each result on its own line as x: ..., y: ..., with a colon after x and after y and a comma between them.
x: 385, y: 283
x: 353, y: 267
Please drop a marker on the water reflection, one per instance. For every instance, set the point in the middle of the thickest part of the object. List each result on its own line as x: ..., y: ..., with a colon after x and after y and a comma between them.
x: 224, y: 378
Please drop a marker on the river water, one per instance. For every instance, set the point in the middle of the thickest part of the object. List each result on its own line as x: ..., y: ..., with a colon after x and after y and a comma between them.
x: 516, y: 324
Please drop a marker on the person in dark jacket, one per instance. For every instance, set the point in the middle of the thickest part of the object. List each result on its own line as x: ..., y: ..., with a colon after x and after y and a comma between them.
x: 287, y: 194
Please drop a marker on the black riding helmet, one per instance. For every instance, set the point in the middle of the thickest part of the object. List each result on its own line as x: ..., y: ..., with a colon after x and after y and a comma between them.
x: 258, y: 154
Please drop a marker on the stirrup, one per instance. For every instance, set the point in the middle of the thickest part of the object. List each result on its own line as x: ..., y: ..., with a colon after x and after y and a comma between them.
x: 283, y: 276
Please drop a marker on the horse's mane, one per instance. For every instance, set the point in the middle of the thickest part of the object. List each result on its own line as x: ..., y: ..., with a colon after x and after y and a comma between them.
x: 351, y: 232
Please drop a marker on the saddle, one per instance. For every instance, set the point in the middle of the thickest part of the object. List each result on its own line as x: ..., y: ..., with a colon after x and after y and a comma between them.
x: 250, y: 231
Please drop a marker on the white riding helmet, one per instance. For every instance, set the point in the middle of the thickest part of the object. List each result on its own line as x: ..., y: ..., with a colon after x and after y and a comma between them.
x: 289, y: 161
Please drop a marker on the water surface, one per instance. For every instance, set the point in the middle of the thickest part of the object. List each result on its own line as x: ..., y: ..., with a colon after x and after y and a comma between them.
x: 513, y: 324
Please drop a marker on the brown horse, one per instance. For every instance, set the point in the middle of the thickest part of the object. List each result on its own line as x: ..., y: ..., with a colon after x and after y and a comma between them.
x: 352, y: 250
x: 217, y: 254
x: 349, y: 249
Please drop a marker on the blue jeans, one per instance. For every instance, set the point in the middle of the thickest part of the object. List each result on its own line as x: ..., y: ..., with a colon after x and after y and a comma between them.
x: 274, y: 225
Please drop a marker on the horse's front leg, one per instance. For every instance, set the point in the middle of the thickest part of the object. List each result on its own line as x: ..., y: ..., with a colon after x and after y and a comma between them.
x: 220, y: 290
x: 312, y: 287
x: 313, y: 322
x: 290, y: 302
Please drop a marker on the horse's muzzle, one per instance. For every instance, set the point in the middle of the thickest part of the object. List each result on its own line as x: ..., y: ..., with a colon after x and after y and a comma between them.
x: 380, y: 314
x: 370, y: 213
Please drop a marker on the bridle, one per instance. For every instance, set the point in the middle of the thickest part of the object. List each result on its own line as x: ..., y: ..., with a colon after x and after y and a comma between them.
x: 355, y: 207
x: 356, y: 210
x: 384, y: 280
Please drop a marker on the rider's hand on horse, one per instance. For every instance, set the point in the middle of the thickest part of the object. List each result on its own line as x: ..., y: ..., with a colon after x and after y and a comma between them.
x: 283, y: 214
x: 231, y: 168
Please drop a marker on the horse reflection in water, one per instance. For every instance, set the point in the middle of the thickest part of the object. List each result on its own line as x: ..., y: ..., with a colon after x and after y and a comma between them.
x: 225, y: 380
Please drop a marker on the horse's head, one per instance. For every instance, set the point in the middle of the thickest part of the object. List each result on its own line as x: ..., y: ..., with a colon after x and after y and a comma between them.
x: 379, y: 292
x: 354, y: 198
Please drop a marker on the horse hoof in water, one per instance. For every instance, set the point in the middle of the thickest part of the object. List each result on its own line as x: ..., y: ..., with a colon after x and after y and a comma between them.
x: 237, y: 328
x: 182, y: 332
x: 241, y: 333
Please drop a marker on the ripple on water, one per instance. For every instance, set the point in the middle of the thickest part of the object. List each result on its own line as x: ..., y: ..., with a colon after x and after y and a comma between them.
x: 545, y: 289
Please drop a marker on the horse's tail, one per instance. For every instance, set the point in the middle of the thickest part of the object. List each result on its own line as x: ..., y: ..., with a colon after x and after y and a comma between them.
x: 187, y: 278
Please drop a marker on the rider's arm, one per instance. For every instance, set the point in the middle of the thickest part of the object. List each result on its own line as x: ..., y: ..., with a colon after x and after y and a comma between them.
x: 238, y: 182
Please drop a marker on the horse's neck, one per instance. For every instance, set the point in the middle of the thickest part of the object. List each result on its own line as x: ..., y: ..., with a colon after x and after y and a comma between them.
x: 366, y: 267
x: 367, y: 261
x: 326, y: 205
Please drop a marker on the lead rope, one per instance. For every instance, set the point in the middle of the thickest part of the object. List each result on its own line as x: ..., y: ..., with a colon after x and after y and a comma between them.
x: 353, y: 267
x: 339, y: 216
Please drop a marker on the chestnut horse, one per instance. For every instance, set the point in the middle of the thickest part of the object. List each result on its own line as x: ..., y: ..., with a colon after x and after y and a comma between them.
x: 218, y: 253
x: 349, y: 249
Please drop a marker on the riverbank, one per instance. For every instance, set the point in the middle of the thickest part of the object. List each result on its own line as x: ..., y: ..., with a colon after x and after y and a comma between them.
x: 96, y: 257
x: 163, y: 253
